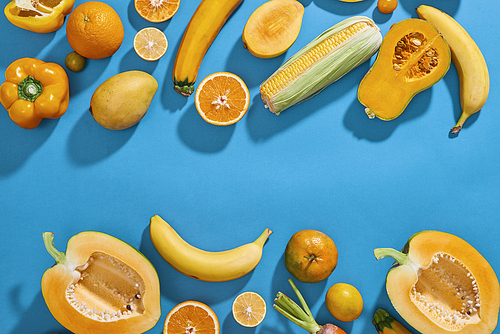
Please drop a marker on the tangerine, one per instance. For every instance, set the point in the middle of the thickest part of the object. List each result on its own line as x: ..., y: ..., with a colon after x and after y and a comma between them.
x: 94, y: 30
x: 310, y: 256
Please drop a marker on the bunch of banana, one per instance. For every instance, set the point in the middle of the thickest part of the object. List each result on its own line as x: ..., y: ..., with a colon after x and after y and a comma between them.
x: 204, y: 265
x: 468, y: 60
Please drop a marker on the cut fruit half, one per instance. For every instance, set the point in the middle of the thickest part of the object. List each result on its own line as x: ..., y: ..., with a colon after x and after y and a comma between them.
x: 156, y: 10
x: 150, y: 43
x: 191, y: 317
x: 222, y: 98
x: 249, y: 309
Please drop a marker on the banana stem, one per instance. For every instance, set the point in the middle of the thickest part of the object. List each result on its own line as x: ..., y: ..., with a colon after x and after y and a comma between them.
x: 463, y: 117
x: 261, y: 240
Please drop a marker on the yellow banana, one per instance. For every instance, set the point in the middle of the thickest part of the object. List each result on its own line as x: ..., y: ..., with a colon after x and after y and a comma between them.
x: 468, y: 60
x: 204, y: 265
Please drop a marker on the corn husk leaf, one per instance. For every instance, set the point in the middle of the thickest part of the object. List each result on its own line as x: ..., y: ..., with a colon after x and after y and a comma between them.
x: 354, y: 51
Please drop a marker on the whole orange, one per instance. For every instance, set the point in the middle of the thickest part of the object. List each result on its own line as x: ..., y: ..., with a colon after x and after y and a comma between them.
x: 310, y: 256
x: 94, y: 30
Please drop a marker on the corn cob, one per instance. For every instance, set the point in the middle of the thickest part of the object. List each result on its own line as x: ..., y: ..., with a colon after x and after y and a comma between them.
x: 323, y: 61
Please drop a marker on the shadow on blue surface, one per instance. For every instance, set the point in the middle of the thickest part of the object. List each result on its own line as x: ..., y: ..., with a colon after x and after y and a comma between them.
x: 342, y: 8
x: 132, y: 62
x: 30, y: 318
x: 89, y: 142
x: 202, y: 136
x: 14, y: 154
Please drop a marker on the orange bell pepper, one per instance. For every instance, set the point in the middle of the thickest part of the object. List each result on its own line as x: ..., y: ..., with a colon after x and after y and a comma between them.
x: 34, y: 90
x: 37, y: 17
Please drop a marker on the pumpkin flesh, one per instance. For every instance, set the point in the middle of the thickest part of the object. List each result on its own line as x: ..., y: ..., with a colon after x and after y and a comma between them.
x: 413, y: 56
x: 441, y: 284
x: 102, y: 285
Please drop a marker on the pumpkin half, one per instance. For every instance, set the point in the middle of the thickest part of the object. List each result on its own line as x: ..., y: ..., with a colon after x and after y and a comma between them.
x: 413, y: 56
x: 440, y: 284
x: 101, y: 285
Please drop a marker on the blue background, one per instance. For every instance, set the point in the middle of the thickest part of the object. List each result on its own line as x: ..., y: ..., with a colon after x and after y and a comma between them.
x: 321, y: 164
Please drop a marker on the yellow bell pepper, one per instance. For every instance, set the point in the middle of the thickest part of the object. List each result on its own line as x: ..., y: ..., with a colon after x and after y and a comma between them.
x: 34, y: 16
x: 34, y: 90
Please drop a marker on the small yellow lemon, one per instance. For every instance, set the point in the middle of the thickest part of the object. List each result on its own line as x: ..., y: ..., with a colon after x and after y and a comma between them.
x: 344, y: 302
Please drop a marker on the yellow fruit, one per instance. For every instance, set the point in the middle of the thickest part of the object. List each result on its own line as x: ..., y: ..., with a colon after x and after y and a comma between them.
x: 222, y: 98
x: 122, y: 100
x: 249, y: 309
x: 387, y: 6
x: 156, y: 10
x: 150, y: 43
x: 273, y: 28
x: 344, y: 302
x: 191, y: 317
x: 212, y: 266
x: 468, y: 59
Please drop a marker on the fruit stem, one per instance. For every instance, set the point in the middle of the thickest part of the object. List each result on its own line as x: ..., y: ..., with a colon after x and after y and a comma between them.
x: 261, y: 240
x: 300, y: 316
x: 311, y: 258
x: 382, y: 319
x: 400, y: 258
x: 48, y: 240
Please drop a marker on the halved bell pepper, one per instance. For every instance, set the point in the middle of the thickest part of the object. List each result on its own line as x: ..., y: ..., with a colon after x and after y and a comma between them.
x: 38, y: 15
x: 34, y: 90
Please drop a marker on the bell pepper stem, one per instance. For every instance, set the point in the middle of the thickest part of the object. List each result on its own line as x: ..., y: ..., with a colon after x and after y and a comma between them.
x: 48, y: 240
x: 29, y: 89
x: 400, y: 257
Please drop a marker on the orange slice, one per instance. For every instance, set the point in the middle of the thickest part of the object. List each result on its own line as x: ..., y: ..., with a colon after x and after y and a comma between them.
x: 156, y: 10
x: 150, y: 43
x: 249, y: 309
x: 191, y: 317
x: 222, y: 98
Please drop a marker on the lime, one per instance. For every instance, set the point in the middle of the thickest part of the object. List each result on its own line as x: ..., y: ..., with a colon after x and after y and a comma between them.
x: 75, y: 62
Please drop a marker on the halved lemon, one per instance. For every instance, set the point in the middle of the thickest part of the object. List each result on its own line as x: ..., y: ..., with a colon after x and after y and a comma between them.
x: 156, y: 10
x: 191, y: 317
x: 150, y: 43
x: 222, y: 98
x: 249, y: 309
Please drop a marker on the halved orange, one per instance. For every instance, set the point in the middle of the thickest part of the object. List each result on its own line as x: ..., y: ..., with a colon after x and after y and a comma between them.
x: 191, y: 317
x: 150, y: 43
x: 156, y: 10
x: 249, y: 309
x: 222, y: 98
